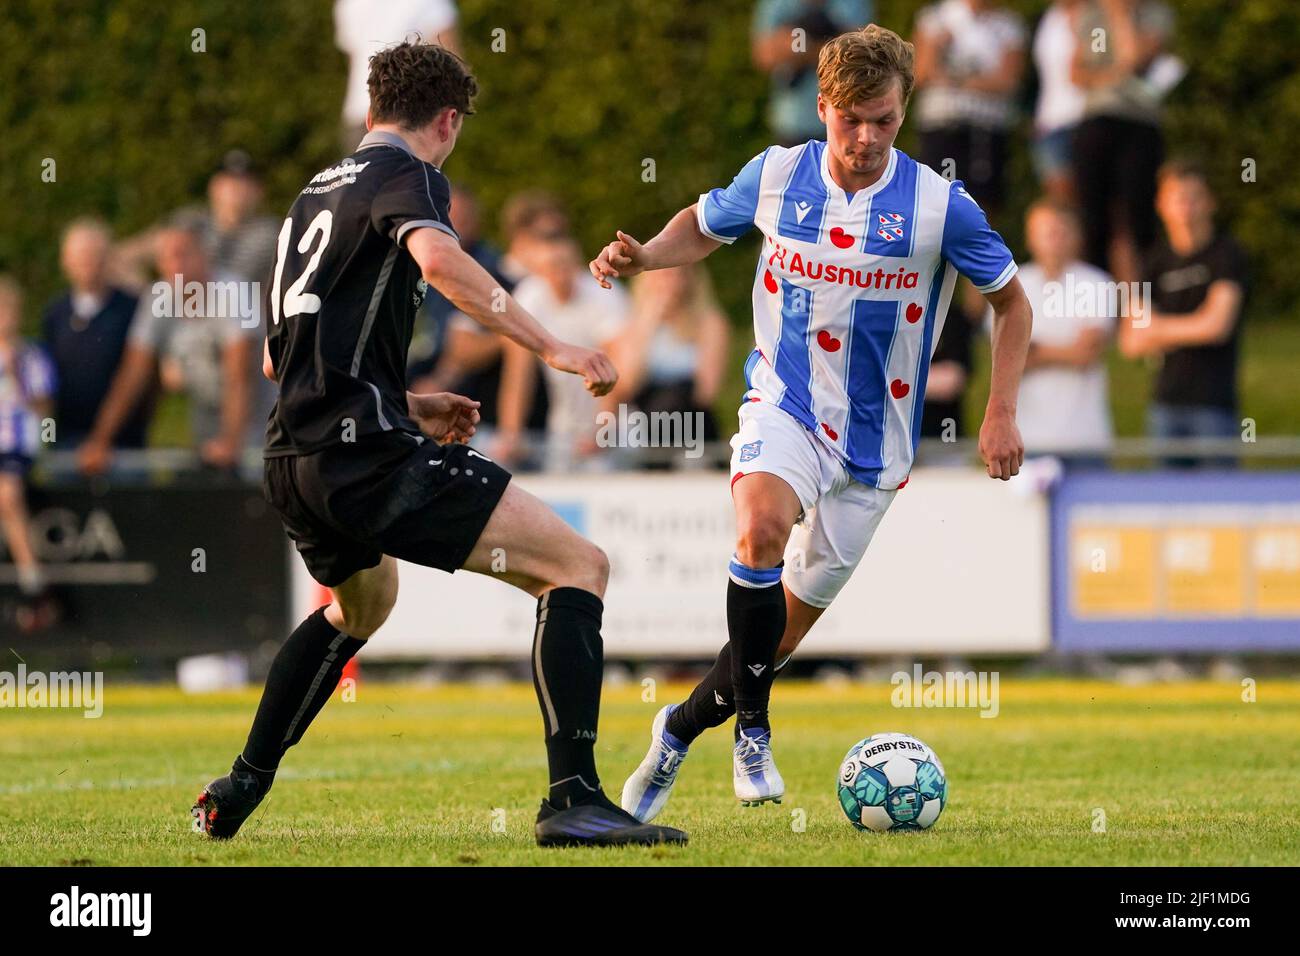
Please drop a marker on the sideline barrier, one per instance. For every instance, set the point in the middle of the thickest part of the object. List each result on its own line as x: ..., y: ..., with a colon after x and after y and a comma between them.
x: 958, y: 565
x: 152, y: 573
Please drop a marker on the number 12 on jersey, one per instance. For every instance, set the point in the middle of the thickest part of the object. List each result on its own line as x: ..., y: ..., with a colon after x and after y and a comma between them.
x: 296, y: 301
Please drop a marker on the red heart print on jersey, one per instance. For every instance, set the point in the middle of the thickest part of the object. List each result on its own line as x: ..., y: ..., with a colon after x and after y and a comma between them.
x: 827, y: 341
x: 914, y: 313
x: 898, y: 388
x: 831, y: 433
x: 841, y: 239
x: 769, y: 282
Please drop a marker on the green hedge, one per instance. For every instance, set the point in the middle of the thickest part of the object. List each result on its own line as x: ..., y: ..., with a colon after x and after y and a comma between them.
x: 581, y: 96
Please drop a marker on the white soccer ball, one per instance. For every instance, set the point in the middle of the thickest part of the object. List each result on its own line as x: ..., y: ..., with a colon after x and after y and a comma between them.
x: 892, y: 782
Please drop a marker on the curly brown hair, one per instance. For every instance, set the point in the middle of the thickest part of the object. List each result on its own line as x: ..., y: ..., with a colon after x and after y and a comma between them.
x: 860, y: 65
x: 412, y: 82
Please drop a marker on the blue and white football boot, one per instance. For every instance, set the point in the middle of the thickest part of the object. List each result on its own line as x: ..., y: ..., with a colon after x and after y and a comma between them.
x: 754, y: 772
x: 651, y: 784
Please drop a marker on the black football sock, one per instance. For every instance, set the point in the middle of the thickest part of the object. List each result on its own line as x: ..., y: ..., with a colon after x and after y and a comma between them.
x: 755, y: 621
x: 776, y: 670
x: 303, y: 676
x: 710, y: 704
x: 568, y: 666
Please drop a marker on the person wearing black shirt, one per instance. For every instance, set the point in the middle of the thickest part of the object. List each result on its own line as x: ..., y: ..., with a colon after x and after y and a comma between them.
x: 84, y: 331
x: 364, y: 472
x: 1198, y: 286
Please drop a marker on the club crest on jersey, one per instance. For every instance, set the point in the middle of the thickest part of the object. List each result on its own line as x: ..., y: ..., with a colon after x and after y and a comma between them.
x: 890, y: 226
x: 751, y: 450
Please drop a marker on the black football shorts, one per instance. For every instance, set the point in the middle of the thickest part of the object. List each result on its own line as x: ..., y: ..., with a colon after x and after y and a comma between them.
x: 347, y: 506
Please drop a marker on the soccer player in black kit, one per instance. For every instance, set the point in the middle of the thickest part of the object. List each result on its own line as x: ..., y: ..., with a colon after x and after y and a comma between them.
x: 363, y: 472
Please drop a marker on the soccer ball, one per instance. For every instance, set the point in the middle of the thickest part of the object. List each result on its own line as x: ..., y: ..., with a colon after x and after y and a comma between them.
x: 892, y: 782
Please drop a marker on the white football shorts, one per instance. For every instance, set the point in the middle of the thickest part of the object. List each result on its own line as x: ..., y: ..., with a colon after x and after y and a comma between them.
x: 840, y: 513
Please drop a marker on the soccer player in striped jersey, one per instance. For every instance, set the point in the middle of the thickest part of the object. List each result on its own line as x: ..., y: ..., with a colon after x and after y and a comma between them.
x: 861, y: 248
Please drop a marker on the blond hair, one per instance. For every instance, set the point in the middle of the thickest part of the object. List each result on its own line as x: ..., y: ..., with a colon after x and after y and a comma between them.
x: 861, y: 65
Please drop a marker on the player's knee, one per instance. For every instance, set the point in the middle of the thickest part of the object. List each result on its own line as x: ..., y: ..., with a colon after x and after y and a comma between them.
x: 593, y: 572
x: 364, y: 615
x: 361, y: 621
x: 586, y: 566
x: 760, y: 540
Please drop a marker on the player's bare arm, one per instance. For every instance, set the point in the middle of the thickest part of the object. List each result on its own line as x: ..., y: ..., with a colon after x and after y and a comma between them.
x: 678, y: 244
x: 1000, y: 444
x: 470, y: 287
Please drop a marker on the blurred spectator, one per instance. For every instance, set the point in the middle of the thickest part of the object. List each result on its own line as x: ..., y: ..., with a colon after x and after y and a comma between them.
x: 969, y: 59
x: 529, y: 220
x: 1198, y: 283
x: 674, y: 354
x: 237, y: 239
x: 1063, y: 407
x: 26, y: 397
x: 84, y: 332
x: 942, y: 413
x: 466, y: 358
x: 791, y: 59
x: 1059, y: 105
x: 446, y: 345
x: 562, y: 297
x: 209, y: 356
x: 1119, y: 145
x: 363, y: 27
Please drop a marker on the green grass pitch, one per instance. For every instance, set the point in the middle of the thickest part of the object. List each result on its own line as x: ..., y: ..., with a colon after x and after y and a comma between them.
x: 451, y: 775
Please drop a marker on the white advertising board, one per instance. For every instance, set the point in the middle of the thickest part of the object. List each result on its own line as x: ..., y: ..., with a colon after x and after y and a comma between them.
x: 959, y: 564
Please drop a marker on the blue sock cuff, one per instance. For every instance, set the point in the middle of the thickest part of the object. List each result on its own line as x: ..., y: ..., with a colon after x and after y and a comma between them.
x: 748, y: 577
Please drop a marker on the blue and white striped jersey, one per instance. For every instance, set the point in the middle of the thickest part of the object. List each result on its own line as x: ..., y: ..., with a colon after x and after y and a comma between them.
x: 850, y: 294
x: 26, y: 378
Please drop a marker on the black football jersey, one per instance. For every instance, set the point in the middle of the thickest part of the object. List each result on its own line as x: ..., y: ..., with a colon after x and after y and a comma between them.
x: 343, y: 297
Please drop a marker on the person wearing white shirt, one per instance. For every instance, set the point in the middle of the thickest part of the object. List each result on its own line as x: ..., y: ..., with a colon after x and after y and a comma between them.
x: 569, y: 306
x: 1063, y: 407
x: 364, y: 27
x: 1059, y: 106
x: 970, y: 55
